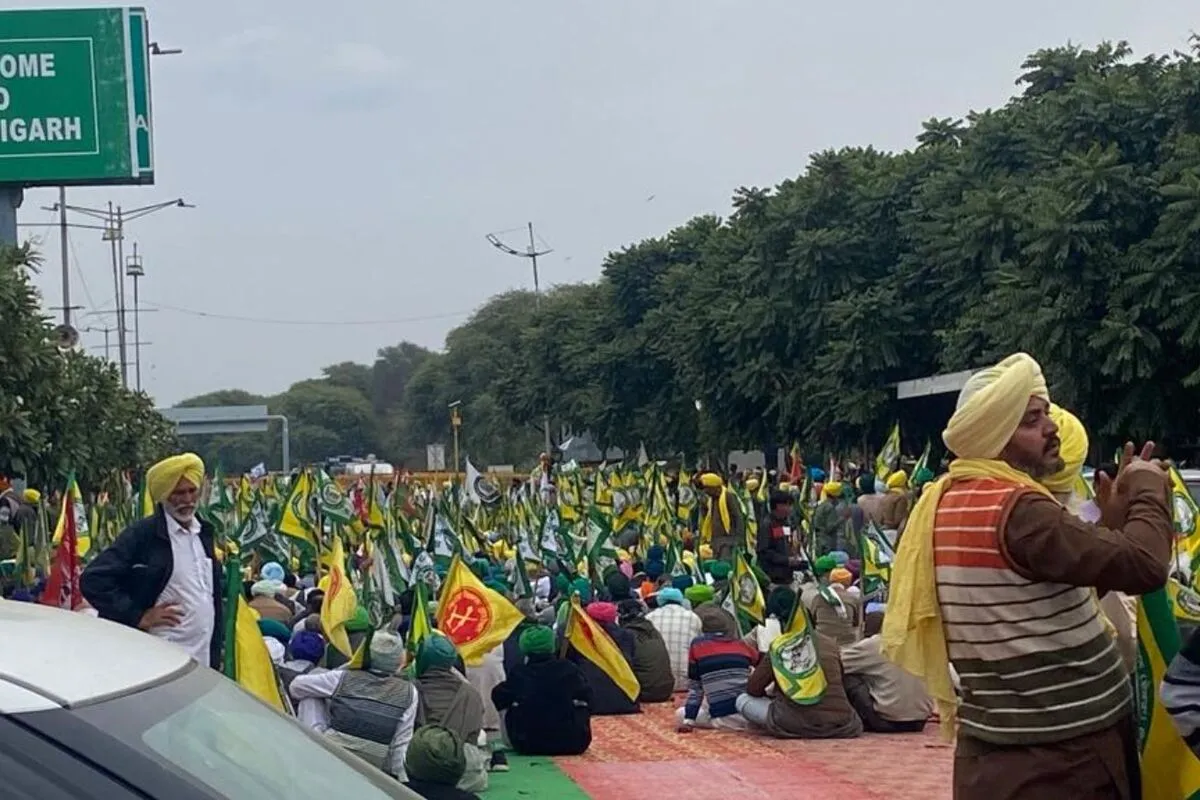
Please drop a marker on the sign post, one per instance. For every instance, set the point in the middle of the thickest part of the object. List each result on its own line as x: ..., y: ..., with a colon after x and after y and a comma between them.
x: 74, y: 101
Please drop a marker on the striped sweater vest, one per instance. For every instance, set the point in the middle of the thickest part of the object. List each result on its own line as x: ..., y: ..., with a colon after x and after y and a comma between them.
x: 1034, y: 660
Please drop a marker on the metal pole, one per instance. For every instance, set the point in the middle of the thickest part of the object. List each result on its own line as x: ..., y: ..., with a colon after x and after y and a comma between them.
x: 10, y: 200
x: 121, y: 300
x: 107, y: 355
x: 537, y: 304
x: 116, y: 267
x: 63, y: 244
x: 286, y: 441
x: 137, y: 336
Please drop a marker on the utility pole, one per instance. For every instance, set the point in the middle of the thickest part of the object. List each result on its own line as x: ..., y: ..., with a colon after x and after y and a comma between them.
x: 114, y: 219
x: 532, y: 254
x: 133, y: 268
x: 106, y: 331
x: 66, y: 260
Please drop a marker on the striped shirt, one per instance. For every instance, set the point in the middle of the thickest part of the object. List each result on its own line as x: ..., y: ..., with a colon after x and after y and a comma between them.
x: 718, y: 669
x: 678, y: 627
x: 1035, y: 662
x: 1180, y: 692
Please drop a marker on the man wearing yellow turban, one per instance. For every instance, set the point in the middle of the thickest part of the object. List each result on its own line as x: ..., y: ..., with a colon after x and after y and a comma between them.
x: 994, y: 577
x: 161, y: 574
x: 829, y: 519
x: 722, y: 525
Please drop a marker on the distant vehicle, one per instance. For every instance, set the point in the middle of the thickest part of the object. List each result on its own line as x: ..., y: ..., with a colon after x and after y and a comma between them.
x: 357, y: 468
x: 138, y: 719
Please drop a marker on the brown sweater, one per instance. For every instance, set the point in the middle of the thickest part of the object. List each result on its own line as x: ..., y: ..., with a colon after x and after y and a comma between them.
x: 1129, y: 552
x: 831, y: 718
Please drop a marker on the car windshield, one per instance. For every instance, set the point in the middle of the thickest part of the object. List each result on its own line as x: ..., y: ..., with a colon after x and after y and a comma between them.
x: 210, y: 730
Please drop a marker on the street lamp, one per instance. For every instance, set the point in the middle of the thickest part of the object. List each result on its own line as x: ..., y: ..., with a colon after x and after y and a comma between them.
x: 134, y: 269
x: 115, y: 218
x: 455, y: 424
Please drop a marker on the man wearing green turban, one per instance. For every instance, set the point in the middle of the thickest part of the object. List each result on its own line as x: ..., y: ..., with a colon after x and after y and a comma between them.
x: 701, y: 593
x: 448, y: 699
x: 436, y: 759
x: 544, y: 703
x: 175, y: 593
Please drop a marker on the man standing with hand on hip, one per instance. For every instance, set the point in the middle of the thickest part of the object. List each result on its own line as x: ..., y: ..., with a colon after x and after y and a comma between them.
x: 160, y: 574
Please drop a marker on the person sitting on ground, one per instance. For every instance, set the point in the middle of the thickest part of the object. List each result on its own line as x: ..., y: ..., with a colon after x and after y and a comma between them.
x: 306, y: 649
x: 276, y: 636
x: 887, y: 699
x: 651, y: 662
x: 449, y: 700
x: 678, y: 626
x: 435, y: 764
x: 718, y: 668
x: 836, y: 612
x: 544, y: 704
x: 607, y: 697
x: 262, y: 600
x: 802, y: 710
x: 312, y: 605
x: 371, y: 712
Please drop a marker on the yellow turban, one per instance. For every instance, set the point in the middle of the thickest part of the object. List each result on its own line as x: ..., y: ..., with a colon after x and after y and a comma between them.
x: 711, y: 480
x: 832, y: 489
x: 1073, y: 450
x: 706, y: 551
x: 991, y: 405
x: 897, y: 480
x: 32, y: 496
x: 752, y: 484
x: 163, y: 477
x: 785, y: 487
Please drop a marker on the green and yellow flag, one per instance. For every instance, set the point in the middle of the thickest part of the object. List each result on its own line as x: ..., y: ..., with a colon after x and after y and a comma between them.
x: 889, y: 455
x: 795, y: 661
x: 297, y: 520
x: 746, y: 591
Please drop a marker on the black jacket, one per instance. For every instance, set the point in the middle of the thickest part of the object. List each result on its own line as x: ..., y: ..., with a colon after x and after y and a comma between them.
x: 607, y: 697
x: 549, y: 707
x: 773, y: 550
x: 126, y: 579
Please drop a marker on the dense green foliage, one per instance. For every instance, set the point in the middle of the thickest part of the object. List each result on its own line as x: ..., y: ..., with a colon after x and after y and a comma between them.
x: 63, y: 411
x: 1065, y: 224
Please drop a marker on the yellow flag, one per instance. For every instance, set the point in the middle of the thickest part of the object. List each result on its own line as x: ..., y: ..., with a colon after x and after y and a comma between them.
x: 474, y: 617
x: 297, y: 519
x: 73, y: 504
x: 340, y: 601
x: 419, y: 627
x: 889, y: 455
x: 252, y: 662
x: 593, y: 643
x: 795, y: 662
x: 747, y: 593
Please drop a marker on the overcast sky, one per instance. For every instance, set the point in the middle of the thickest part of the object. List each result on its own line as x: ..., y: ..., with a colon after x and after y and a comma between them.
x: 347, y: 159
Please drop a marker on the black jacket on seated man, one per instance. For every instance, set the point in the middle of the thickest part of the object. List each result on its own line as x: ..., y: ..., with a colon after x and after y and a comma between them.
x: 127, y: 577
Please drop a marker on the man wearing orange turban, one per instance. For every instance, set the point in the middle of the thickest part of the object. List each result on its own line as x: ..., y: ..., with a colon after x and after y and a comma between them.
x: 161, y: 574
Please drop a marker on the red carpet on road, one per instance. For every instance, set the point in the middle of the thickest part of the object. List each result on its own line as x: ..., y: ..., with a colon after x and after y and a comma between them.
x: 627, y: 751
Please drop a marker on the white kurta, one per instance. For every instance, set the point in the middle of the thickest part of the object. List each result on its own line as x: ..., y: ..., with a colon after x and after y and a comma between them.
x: 191, y: 588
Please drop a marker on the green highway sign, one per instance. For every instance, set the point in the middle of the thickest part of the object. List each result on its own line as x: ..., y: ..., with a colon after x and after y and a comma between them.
x: 75, y: 97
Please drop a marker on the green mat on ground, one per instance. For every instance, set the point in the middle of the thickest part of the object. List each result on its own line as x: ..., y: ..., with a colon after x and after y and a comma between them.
x: 531, y: 777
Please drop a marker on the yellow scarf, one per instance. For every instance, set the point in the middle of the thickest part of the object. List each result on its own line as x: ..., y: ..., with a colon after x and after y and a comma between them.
x: 706, y: 524
x: 913, y: 636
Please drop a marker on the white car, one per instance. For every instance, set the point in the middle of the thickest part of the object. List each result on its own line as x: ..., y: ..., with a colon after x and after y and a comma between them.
x: 92, y: 710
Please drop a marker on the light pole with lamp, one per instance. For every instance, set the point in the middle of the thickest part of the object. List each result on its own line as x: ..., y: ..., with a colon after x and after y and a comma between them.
x: 115, y: 218
x: 455, y: 424
x: 134, y: 269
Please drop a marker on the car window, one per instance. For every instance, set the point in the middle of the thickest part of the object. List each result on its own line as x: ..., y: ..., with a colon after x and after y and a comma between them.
x: 207, y: 728
x: 33, y: 769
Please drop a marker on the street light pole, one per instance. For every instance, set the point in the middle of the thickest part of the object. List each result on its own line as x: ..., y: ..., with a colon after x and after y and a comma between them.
x: 532, y: 254
x: 63, y: 244
x: 135, y: 270
x: 114, y: 218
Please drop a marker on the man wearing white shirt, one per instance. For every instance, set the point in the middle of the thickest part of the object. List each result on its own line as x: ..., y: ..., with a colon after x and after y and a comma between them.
x: 371, y: 712
x: 160, y: 575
